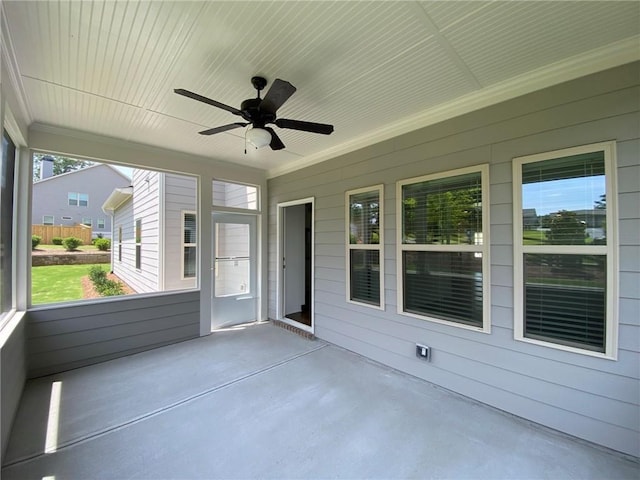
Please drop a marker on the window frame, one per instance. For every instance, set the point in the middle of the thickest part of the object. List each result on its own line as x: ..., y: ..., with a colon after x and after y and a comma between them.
x: 379, y: 247
x: 8, y: 224
x: 119, y: 243
x: 188, y: 245
x: 52, y: 217
x: 87, y: 221
x: 72, y: 196
x: 484, y: 249
x: 101, y: 223
x: 225, y: 208
x: 610, y: 249
x: 137, y: 232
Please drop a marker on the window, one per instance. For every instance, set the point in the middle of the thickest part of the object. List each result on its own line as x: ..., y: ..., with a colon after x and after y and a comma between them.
x: 129, y: 200
x: 7, y: 170
x: 235, y: 195
x: 120, y: 243
x: 365, y: 276
x: 189, y: 244
x: 443, y: 248
x: 48, y: 220
x: 78, y: 199
x: 564, y: 230
x: 138, y: 243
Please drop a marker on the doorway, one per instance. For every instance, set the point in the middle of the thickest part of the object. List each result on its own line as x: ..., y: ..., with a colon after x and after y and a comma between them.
x: 234, y: 282
x: 295, y: 228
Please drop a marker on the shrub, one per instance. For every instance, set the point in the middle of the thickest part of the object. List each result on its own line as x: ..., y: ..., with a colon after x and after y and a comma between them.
x: 103, y: 244
x: 71, y: 243
x: 97, y: 274
x: 35, y: 241
x: 110, y: 288
x: 56, y: 240
x: 104, y: 286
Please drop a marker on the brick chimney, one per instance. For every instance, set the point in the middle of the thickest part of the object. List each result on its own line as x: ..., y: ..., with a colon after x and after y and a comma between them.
x: 46, y: 167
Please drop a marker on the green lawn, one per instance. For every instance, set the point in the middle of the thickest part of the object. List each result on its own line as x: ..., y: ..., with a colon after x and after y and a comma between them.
x: 534, y: 237
x: 58, y: 283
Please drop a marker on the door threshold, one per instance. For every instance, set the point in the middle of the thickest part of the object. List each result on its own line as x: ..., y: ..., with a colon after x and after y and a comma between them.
x: 293, y: 328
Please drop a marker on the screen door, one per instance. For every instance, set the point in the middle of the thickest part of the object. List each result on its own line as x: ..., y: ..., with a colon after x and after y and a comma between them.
x: 234, y: 298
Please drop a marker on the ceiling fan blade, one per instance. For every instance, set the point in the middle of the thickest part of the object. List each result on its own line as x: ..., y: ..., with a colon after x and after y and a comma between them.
x: 200, y: 98
x: 279, y: 93
x: 276, y: 143
x: 322, y: 128
x: 223, y: 128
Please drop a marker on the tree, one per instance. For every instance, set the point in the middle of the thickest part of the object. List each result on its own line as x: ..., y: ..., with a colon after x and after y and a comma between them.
x: 60, y: 164
x: 566, y: 229
x: 601, y: 204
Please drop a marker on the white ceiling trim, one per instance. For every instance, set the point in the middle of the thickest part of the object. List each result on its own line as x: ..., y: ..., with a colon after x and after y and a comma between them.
x: 610, y: 56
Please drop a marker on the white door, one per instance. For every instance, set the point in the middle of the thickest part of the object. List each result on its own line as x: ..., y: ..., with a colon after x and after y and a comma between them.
x: 234, y: 296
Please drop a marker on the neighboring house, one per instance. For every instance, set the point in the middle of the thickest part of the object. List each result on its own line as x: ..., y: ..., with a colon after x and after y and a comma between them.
x: 154, y: 231
x: 529, y: 218
x: 75, y: 198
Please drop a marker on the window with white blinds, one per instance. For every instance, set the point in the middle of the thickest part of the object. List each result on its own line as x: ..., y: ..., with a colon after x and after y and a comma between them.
x: 189, y: 244
x: 564, y: 204
x: 443, y: 248
x: 364, y: 232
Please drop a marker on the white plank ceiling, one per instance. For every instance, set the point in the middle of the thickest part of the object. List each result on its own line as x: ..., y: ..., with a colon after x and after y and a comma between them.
x: 372, y: 69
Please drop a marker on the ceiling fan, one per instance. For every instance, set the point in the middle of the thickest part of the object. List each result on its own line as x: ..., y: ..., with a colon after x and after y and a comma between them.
x: 260, y: 112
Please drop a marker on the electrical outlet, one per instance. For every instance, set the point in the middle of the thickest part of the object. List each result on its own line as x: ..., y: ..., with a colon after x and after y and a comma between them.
x: 423, y: 352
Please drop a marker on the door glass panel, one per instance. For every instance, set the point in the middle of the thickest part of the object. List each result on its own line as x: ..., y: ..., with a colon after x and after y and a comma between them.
x: 234, y: 296
x: 232, y: 262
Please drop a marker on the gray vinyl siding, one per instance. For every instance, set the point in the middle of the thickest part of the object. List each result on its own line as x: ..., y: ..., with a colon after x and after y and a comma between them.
x: 70, y: 337
x: 144, y: 205
x: 13, y: 374
x: 50, y: 196
x: 180, y: 194
x: 592, y: 398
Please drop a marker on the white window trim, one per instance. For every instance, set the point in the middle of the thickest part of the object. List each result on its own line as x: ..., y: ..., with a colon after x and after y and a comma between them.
x: 183, y: 244
x: 53, y: 220
x: 610, y: 249
x: 484, y: 249
x: 137, y: 243
x: 89, y: 224
x: 119, y: 243
x: 73, y: 196
x: 379, y: 246
x: 101, y: 221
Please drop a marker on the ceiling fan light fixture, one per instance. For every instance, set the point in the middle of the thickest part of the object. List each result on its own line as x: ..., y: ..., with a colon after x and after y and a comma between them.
x: 258, y: 137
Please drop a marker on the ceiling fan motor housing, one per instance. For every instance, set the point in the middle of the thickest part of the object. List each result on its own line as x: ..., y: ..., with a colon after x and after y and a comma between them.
x: 252, y: 113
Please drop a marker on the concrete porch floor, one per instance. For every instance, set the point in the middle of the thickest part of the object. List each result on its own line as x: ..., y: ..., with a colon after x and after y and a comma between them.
x: 261, y: 402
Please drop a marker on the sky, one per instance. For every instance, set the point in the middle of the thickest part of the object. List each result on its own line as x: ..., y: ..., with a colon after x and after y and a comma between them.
x: 567, y: 194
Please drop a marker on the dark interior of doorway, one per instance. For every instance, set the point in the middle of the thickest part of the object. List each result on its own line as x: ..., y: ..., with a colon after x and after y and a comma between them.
x: 304, y: 315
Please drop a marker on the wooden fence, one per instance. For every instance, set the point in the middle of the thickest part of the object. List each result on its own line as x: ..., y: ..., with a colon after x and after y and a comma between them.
x: 47, y: 232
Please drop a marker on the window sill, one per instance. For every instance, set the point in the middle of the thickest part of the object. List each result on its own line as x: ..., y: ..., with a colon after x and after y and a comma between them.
x: 564, y: 348
x: 485, y: 329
